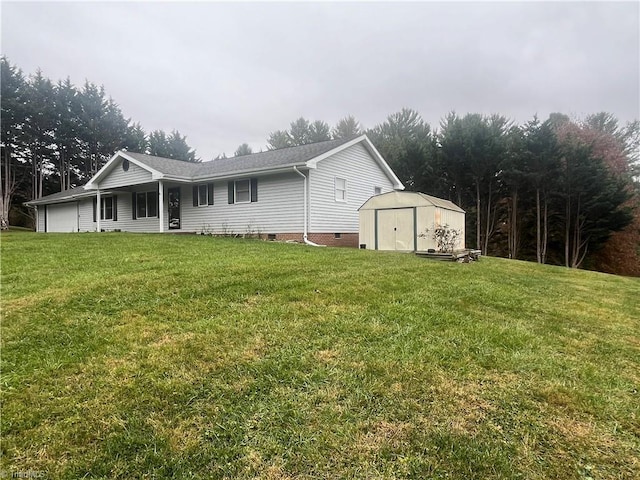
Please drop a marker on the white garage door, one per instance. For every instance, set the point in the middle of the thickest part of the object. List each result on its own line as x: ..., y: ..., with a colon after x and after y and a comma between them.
x: 62, y: 218
x: 395, y: 229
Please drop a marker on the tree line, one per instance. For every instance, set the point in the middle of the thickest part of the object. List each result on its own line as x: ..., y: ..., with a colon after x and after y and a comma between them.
x: 56, y: 136
x: 559, y: 191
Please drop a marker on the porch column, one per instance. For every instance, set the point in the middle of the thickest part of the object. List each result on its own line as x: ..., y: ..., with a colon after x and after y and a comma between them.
x: 98, y: 211
x: 161, y: 205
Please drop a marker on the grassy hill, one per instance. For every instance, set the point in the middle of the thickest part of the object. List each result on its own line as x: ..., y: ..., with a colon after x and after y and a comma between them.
x: 161, y: 356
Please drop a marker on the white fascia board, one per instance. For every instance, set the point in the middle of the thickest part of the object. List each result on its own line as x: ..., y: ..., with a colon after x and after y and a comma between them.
x: 70, y: 198
x: 173, y: 178
x: 245, y: 173
x: 91, y: 184
x: 397, y: 184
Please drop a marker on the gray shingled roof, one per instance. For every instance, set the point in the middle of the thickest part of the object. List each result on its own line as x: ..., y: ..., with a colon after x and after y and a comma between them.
x: 168, y: 166
x: 226, y: 166
x: 270, y: 159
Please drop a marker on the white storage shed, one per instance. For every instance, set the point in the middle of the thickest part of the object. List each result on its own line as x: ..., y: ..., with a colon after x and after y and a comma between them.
x: 405, y: 221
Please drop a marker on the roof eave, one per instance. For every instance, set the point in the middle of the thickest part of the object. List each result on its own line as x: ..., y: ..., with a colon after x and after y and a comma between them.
x: 70, y: 198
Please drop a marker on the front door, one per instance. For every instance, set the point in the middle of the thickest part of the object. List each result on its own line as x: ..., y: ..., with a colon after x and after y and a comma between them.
x: 174, y: 208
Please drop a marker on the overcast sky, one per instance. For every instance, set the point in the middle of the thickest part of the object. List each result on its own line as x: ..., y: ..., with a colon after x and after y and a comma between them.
x: 227, y: 73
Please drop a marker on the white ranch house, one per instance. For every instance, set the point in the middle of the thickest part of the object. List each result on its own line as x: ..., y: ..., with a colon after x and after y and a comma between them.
x: 308, y: 193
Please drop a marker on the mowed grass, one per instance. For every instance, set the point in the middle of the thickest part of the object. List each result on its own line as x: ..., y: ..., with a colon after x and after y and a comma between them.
x: 161, y: 356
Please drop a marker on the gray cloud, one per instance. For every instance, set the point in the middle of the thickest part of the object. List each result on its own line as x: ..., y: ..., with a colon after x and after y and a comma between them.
x: 224, y: 73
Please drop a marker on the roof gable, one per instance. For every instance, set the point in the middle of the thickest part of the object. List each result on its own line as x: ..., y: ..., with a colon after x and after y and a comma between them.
x: 373, y: 151
x: 113, y: 162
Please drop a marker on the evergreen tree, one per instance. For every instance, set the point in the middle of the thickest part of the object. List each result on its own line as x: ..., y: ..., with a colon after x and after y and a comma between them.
x: 136, y: 139
x: 39, y: 129
x: 67, y: 132
x: 346, y: 127
x: 279, y: 139
x: 300, y: 132
x: 405, y: 141
x: 541, y: 171
x: 243, y: 149
x: 319, y: 131
x: 180, y: 149
x: 171, y: 146
x: 13, y: 90
x: 591, y: 195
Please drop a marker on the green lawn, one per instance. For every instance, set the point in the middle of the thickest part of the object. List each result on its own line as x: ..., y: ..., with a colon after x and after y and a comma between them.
x: 161, y: 356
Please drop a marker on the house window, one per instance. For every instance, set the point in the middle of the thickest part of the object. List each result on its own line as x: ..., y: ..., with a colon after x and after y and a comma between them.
x: 106, y: 208
x: 243, y: 191
x: 203, y: 195
x: 341, y: 190
x: 337, y: 236
x: 146, y: 204
x: 243, y: 194
x: 377, y: 190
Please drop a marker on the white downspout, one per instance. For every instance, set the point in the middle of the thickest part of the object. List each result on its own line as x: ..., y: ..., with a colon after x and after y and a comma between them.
x: 304, y: 235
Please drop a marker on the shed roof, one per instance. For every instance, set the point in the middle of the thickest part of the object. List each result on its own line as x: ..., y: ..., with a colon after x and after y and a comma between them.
x: 408, y: 199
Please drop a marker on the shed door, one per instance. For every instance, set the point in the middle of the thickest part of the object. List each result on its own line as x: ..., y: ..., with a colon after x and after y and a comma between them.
x: 62, y: 217
x: 395, y: 229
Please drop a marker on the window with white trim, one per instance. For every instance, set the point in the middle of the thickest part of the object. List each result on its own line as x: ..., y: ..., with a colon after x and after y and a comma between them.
x: 341, y: 190
x: 146, y: 204
x: 203, y: 195
x: 106, y: 208
x: 242, y: 191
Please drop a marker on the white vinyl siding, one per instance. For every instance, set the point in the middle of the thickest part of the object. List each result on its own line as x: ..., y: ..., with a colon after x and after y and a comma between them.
x: 41, y: 213
x: 117, y: 177
x: 279, y: 208
x: 362, y: 174
x: 125, y: 221
x: 85, y: 214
